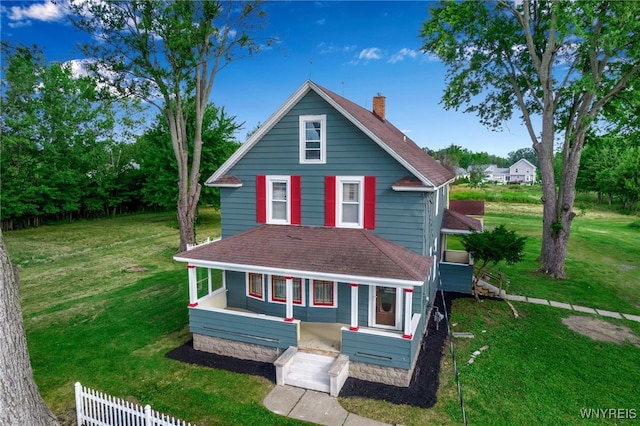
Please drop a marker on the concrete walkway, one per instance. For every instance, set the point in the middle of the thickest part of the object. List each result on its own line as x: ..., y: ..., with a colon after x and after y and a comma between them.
x: 312, y: 406
x: 322, y: 409
x: 570, y: 307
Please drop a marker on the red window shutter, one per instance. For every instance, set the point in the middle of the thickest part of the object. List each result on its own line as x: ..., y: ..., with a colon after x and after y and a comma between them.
x: 369, y: 202
x: 295, y: 200
x: 329, y: 201
x: 261, y: 199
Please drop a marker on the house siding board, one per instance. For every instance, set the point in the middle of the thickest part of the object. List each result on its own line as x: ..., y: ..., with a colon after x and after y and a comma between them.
x: 456, y: 278
x: 242, y: 329
x: 236, y: 289
x: 379, y: 350
x: 349, y: 153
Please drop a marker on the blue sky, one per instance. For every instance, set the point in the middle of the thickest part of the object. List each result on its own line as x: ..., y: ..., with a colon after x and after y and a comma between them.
x: 354, y: 48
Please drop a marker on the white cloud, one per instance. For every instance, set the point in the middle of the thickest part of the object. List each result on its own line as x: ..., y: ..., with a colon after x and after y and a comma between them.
x: 326, y: 48
x: 321, y: 21
x: 370, y: 53
x: 46, y: 12
x: 402, y: 54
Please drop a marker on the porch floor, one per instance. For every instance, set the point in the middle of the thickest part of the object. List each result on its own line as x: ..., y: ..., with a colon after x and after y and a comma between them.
x: 323, y: 337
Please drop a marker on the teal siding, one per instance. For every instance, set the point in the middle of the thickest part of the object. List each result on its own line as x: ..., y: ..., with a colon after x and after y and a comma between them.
x: 456, y: 277
x: 399, y: 215
x: 379, y: 350
x: 275, y: 334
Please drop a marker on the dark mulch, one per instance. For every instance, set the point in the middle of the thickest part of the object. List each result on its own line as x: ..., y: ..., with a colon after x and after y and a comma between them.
x: 420, y: 393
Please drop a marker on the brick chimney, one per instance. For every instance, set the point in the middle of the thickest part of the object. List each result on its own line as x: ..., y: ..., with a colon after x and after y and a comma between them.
x: 378, y: 106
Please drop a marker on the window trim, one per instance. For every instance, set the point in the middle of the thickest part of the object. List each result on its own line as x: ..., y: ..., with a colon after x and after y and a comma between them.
x: 272, y: 298
x: 251, y: 295
x: 303, y: 119
x: 340, y: 180
x: 270, y: 180
x: 312, y: 295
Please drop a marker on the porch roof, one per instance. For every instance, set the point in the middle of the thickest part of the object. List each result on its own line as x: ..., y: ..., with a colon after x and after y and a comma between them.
x: 336, y: 254
x: 455, y: 222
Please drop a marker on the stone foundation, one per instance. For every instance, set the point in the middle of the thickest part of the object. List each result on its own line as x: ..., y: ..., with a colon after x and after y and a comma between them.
x: 377, y: 373
x: 235, y: 349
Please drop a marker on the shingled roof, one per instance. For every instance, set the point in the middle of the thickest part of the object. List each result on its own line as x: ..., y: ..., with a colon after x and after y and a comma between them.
x: 338, y: 254
x: 428, y: 171
x: 458, y: 222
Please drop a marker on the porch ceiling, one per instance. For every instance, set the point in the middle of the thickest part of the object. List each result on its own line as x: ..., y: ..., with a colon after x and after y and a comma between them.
x: 335, y: 253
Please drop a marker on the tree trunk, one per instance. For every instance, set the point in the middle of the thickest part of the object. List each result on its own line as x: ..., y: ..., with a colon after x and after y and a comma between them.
x: 20, y: 401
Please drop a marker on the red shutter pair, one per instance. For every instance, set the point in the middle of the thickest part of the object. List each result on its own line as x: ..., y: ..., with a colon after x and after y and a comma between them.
x: 261, y: 199
x: 369, y: 201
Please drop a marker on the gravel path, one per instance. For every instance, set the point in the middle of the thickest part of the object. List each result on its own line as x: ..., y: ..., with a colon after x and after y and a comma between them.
x: 421, y: 392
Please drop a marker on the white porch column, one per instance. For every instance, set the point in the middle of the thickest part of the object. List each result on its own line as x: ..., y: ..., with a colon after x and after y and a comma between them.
x: 354, y: 307
x: 289, y: 297
x: 408, y: 299
x: 193, y: 286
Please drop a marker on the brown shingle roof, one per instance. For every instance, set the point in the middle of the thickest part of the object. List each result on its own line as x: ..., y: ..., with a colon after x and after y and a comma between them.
x: 467, y: 207
x: 226, y: 181
x: 418, y: 162
x: 458, y: 221
x: 309, y: 250
x: 395, y: 139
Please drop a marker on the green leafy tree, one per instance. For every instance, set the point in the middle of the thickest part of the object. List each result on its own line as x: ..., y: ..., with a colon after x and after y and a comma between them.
x: 168, y: 54
x: 476, y: 176
x: 489, y: 248
x: 561, y: 62
x: 158, y: 165
x: 53, y: 128
x: 528, y: 154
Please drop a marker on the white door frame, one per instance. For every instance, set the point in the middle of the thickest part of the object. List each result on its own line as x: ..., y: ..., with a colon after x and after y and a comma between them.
x: 398, y: 311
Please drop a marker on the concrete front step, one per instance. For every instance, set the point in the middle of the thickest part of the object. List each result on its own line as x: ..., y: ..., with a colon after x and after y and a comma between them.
x: 310, y: 371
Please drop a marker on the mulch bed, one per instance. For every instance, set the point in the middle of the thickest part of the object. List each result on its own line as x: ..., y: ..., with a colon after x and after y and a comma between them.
x: 420, y: 393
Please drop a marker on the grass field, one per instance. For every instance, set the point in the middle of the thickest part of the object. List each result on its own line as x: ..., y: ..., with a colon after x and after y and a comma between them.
x: 103, y: 302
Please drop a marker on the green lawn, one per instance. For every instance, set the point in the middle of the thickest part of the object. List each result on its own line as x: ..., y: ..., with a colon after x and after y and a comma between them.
x: 103, y: 302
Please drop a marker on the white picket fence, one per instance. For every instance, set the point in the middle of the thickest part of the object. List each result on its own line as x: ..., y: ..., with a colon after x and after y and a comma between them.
x: 95, y: 408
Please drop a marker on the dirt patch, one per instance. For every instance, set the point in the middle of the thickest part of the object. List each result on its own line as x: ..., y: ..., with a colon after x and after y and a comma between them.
x: 601, y: 330
x: 136, y: 268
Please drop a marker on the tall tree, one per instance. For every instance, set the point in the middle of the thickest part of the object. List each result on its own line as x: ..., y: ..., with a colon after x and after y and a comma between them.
x: 20, y: 401
x: 158, y: 165
x: 555, y: 63
x: 52, y: 129
x: 168, y: 53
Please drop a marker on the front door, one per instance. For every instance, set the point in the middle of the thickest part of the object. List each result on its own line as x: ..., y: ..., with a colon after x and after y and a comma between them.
x: 386, y: 306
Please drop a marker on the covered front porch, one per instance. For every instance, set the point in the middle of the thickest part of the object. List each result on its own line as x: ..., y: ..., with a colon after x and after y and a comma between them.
x: 335, y: 291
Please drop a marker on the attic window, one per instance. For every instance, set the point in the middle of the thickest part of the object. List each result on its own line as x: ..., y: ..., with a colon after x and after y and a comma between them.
x: 313, y: 139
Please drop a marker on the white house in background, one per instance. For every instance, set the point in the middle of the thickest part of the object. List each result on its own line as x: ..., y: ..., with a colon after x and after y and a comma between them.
x: 522, y: 171
x: 493, y: 173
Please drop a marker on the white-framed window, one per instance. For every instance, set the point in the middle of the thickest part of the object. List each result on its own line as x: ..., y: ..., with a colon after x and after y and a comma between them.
x: 350, y: 201
x: 255, y: 286
x: 324, y: 294
x: 313, y: 139
x: 278, y: 200
x: 278, y: 293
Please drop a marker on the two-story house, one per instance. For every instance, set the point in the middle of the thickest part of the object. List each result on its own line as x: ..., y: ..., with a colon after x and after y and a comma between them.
x: 331, y: 241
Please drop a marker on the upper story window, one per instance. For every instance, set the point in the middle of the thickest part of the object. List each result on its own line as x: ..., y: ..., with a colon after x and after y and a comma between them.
x: 313, y: 139
x: 278, y: 200
x: 350, y: 202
